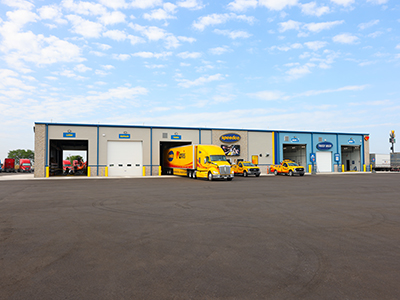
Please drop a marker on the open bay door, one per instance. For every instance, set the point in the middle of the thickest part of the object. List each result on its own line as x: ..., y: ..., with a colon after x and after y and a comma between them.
x: 124, y: 158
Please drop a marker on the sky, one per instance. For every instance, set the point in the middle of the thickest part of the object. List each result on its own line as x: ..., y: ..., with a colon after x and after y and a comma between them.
x: 329, y: 65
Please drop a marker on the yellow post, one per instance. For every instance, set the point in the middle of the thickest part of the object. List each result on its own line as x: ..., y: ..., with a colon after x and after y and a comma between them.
x: 342, y: 168
x: 47, y: 172
x: 309, y: 168
x: 106, y: 172
x: 88, y: 171
x: 370, y: 168
x: 159, y: 170
x: 144, y: 171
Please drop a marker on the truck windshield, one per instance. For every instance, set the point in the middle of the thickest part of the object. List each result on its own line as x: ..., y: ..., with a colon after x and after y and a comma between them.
x: 217, y: 157
x: 248, y: 164
x: 26, y: 164
x: 292, y: 164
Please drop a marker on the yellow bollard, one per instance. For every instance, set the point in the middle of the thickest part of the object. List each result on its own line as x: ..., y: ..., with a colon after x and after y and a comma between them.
x: 106, y: 172
x: 88, y: 171
x: 342, y: 168
x: 144, y: 171
x: 370, y: 168
x: 365, y: 168
x: 47, y: 172
x: 159, y: 171
x: 310, y: 169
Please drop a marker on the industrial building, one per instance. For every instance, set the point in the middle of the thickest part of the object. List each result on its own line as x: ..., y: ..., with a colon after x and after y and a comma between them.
x: 130, y: 150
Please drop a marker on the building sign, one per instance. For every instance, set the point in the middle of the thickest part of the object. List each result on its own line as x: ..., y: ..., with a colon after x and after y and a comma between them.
x: 69, y: 134
x: 230, y: 138
x: 312, y: 157
x: 351, y: 141
x: 324, y: 146
x: 337, y: 157
x: 176, y: 137
x: 231, y: 150
x: 295, y: 140
x: 124, y: 136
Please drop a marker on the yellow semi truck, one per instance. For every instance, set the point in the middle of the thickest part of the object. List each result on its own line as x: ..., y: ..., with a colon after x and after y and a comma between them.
x: 198, y: 161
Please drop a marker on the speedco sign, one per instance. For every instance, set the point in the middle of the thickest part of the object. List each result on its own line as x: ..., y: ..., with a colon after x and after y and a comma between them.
x: 230, y: 138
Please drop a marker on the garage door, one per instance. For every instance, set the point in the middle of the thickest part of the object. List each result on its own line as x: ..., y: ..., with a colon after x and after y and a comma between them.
x: 124, y: 158
x: 324, y: 162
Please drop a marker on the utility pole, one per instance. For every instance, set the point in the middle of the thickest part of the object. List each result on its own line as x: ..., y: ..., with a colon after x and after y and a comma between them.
x: 392, y: 140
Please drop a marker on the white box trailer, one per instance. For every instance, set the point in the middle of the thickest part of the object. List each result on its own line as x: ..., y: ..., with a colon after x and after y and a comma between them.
x: 380, y: 162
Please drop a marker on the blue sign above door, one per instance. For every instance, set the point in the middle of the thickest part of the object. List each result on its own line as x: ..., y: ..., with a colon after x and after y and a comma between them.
x: 324, y: 146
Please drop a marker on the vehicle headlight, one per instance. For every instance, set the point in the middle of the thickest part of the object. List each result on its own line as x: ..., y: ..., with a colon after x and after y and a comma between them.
x: 214, y: 172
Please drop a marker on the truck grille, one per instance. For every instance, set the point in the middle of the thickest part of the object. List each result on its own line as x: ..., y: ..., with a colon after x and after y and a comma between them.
x: 225, y: 170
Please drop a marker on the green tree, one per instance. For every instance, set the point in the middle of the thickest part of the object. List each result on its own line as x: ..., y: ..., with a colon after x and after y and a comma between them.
x: 21, y: 153
x: 74, y: 157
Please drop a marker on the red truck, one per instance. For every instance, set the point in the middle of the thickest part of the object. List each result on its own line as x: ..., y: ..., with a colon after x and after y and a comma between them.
x: 9, y: 165
x: 25, y: 165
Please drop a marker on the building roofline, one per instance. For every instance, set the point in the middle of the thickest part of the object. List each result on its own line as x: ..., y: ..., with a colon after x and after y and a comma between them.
x: 195, y: 128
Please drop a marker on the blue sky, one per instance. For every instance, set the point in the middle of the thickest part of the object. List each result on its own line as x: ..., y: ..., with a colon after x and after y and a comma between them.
x: 328, y: 65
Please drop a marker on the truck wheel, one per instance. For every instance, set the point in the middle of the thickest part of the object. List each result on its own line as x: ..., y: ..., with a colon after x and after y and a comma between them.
x: 194, y: 175
x: 229, y: 179
x: 290, y: 173
x: 276, y: 172
x: 245, y: 174
x: 257, y: 175
x: 209, y: 177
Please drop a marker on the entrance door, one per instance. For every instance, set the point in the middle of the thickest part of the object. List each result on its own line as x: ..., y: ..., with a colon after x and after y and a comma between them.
x: 324, y: 162
x: 125, y: 158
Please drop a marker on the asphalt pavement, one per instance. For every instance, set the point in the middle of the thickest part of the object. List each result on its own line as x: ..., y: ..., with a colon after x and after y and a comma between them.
x: 270, y: 237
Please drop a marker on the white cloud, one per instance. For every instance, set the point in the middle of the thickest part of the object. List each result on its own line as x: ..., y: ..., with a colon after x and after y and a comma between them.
x: 216, y: 19
x: 187, y: 54
x: 268, y: 95
x: 116, y: 35
x: 200, y: 81
x: 242, y: 5
x: 190, y: 4
x: 153, y: 33
x: 277, y: 4
x: 162, y: 13
x: 375, y: 34
x: 119, y: 93
x: 288, y: 47
x: 143, y: 4
x: 82, y: 68
x: 84, y: 8
x: 345, y: 38
x: 319, y: 92
x: 152, y: 55
x: 344, y: 3
x: 51, y: 12
x: 114, y: 4
x: 378, y: 2
x: 233, y: 34
x: 300, y: 71
x: 20, y: 4
x: 219, y: 50
x: 289, y: 25
x: 312, y: 9
x: 86, y: 28
x: 103, y: 47
x: 398, y: 47
x: 186, y: 39
x: 112, y: 18
x: 108, y: 67
x: 122, y: 57
x: 316, y: 45
x: 317, y: 27
x: 363, y: 26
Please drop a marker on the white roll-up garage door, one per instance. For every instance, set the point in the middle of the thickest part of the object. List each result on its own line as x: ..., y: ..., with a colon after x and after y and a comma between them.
x: 324, y: 162
x: 124, y: 158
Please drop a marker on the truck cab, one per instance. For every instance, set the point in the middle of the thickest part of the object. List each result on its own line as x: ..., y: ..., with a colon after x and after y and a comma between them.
x: 246, y: 168
x: 287, y: 167
x: 25, y: 165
